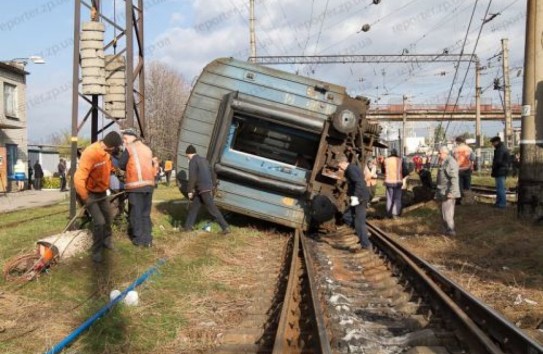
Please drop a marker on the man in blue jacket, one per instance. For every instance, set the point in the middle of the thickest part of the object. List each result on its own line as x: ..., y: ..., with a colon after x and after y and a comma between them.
x: 200, y: 191
x: 358, y: 199
x: 500, y: 166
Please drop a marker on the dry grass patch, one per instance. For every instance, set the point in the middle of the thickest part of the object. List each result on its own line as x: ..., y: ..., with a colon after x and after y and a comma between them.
x: 197, y: 294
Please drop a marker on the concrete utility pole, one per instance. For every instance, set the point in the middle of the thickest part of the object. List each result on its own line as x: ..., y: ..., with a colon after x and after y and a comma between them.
x: 252, y: 30
x: 508, y: 133
x: 530, y: 191
x: 478, y: 141
x: 404, y: 124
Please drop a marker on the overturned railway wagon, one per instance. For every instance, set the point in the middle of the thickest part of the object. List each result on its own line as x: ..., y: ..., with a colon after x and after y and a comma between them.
x: 273, y: 139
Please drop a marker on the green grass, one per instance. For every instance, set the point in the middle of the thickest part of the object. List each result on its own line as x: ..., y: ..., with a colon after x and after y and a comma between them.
x: 486, y: 180
x: 22, y: 216
x: 75, y: 289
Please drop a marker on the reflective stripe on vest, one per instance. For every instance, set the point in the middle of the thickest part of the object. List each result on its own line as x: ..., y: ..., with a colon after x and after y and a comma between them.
x: 393, y: 170
x: 139, y: 169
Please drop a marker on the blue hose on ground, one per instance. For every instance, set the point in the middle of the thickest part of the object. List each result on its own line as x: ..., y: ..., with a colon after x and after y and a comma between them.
x: 72, y: 336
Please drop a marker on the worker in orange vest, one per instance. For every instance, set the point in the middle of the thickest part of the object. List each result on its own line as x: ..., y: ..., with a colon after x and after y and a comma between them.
x: 168, y: 168
x: 464, y: 157
x: 156, y: 169
x: 395, y: 170
x: 91, y: 181
x: 137, y: 161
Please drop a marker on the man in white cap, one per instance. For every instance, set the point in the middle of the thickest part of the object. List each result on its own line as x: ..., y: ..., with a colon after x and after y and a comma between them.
x: 448, y: 189
x: 137, y: 161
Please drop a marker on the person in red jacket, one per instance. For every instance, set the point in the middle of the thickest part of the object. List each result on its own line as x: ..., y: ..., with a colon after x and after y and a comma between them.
x: 91, y: 181
x: 417, y: 161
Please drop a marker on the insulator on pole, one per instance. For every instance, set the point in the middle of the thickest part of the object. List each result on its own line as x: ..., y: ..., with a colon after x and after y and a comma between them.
x: 115, y: 98
x: 93, y: 75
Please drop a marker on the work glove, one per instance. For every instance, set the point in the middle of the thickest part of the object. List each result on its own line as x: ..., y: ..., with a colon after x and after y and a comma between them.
x: 191, y: 195
x: 354, y: 201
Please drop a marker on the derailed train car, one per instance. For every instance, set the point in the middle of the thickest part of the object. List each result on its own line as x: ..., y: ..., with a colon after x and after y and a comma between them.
x: 272, y: 138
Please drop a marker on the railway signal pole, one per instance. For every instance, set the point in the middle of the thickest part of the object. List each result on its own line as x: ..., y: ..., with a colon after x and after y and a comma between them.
x: 530, y: 191
x: 478, y: 140
x: 508, y: 133
x: 252, y: 29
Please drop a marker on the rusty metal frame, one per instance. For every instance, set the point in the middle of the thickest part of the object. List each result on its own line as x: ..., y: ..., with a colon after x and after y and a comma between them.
x: 135, y: 96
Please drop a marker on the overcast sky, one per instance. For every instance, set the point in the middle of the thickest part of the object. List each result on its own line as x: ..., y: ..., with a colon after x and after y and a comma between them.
x: 189, y: 34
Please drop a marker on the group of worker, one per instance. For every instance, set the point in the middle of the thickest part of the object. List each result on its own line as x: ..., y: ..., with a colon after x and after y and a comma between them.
x: 92, y: 178
x: 453, y: 180
x: 92, y: 182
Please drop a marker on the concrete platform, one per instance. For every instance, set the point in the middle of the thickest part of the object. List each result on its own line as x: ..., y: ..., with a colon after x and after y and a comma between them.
x: 31, y: 199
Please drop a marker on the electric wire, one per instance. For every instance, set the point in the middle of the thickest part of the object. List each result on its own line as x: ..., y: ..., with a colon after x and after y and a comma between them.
x: 440, y: 126
x: 312, y: 68
x: 412, y: 74
x: 309, y: 28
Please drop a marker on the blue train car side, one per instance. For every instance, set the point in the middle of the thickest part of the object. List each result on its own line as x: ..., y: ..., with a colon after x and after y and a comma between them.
x: 272, y: 138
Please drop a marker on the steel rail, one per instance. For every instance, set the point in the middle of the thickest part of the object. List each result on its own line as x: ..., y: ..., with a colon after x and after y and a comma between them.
x: 281, y: 344
x: 323, y: 340
x: 489, y: 324
x: 479, y: 342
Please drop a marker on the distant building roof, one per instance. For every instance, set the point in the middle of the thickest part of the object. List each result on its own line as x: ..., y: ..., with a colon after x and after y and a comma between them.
x: 13, y: 68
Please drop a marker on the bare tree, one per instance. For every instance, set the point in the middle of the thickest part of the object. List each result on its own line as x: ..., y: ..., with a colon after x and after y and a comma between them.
x: 62, y: 140
x: 166, y: 94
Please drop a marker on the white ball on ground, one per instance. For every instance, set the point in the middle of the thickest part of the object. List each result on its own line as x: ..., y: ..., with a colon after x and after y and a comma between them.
x: 113, y: 294
x: 131, y: 298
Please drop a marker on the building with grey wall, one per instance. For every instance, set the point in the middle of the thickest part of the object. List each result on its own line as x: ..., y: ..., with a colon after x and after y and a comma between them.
x: 13, y: 120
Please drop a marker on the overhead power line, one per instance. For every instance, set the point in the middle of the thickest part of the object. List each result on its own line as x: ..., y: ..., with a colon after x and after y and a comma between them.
x: 373, y: 58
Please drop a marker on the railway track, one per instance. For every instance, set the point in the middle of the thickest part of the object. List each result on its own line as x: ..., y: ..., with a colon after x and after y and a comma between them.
x: 489, y: 190
x: 16, y: 223
x: 333, y: 297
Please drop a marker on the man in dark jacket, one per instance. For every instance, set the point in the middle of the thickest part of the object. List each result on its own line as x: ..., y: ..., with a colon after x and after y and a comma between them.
x: 38, y: 175
x: 358, y: 197
x: 62, y: 174
x: 200, y: 188
x: 500, y: 166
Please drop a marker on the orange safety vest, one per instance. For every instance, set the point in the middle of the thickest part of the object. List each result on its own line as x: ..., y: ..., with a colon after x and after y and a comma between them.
x: 462, y: 155
x: 393, y: 170
x: 139, y: 169
x: 369, y: 176
x: 168, y: 165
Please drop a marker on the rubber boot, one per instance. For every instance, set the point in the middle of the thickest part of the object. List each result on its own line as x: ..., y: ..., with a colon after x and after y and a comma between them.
x: 98, y: 243
x: 108, y: 239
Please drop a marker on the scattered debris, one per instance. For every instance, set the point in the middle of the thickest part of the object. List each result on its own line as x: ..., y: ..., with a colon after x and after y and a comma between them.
x: 519, y: 300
